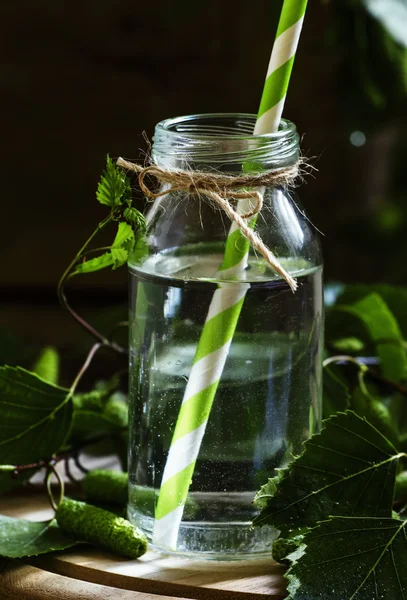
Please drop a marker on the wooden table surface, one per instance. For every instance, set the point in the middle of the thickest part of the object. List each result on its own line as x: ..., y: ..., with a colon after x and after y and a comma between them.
x: 89, y: 574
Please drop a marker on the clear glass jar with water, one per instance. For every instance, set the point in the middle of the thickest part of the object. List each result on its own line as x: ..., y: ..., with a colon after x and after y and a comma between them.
x: 268, y: 400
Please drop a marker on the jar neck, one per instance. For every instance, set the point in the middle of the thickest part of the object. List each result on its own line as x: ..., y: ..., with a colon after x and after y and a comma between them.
x: 224, y: 142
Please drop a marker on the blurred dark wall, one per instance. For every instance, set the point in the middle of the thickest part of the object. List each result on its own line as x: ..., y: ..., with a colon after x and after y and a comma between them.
x: 82, y: 79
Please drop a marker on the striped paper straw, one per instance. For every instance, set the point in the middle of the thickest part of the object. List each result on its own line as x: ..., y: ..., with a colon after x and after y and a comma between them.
x: 280, y: 66
x: 224, y: 311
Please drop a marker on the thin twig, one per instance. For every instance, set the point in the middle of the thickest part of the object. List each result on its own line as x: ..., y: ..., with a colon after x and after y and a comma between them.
x: 53, y: 471
x: 68, y: 453
x: 84, y: 367
x: 368, y: 372
x: 395, y: 386
x: 68, y: 274
x: 79, y: 465
x: 68, y: 472
x: 344, y: 358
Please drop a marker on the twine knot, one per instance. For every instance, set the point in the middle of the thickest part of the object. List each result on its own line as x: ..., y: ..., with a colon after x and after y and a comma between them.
x: 221, y: 189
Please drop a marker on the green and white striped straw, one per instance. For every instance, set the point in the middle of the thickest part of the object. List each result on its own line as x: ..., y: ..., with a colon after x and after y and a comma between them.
x: 280, y: 66
x: 224, y: 311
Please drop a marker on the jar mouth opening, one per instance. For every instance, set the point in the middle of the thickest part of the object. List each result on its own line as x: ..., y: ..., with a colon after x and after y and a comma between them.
x: 223, y: 126
x: 223, y: 141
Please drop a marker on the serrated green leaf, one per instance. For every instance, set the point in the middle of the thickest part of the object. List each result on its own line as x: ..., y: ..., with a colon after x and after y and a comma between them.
x: 351, y: 559
x: 266, y: 491
x: 35, y: 419
x: 115, y: 257
x: 114, y: 186
x: 119, y: 256
x: 384, y: 332
x: 349, y: 469
x: 95, y: 264
x: 124, y: 235
x: 20, y: 538
x: 47, y: 365
x: 283, y: 547
x: 140, y: 250
x: 135, y: 218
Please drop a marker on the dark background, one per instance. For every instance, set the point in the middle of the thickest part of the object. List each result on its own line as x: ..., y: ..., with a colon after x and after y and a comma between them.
x: 83, y: 79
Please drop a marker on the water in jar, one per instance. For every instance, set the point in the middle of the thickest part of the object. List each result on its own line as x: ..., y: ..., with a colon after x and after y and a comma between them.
x: 267, y: 403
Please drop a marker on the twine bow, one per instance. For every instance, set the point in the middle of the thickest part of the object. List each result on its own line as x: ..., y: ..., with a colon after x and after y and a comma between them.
x: 221, y: 189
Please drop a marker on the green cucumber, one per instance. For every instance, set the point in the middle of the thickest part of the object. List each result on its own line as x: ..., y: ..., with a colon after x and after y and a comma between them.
x: 101, y: 528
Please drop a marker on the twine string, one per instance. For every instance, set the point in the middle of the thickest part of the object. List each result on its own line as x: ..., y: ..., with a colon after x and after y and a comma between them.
x: 221, y: 189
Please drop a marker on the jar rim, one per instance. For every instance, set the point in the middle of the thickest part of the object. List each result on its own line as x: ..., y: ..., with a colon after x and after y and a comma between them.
x: 170, y: 127
x: 222, y: 141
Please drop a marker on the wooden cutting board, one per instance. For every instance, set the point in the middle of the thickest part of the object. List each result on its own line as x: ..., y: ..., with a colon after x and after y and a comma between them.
x: 89, y: 574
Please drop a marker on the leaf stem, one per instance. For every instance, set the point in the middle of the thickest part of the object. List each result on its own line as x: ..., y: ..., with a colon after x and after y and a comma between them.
x: 73, y: 451
x: 63, y: 455
x: 345, y: 358
x: 79, y: 255
x: 84, y: 368
x: 68, y: 274
x: 68, y: 470
x: 53, y: 471
x: 396, y: 386
x: 366, y: 371
x: 79, y: 465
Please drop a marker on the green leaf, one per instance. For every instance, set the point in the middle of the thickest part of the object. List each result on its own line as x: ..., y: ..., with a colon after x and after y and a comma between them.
x: 349, y: 345
x: 124, y: 235
x: 384, y: 332
x: 282, y: 547
x: 135, y: 218
x: 35, y: 419
x: 400, y: 492
x: 351, y: 559
x: 95, y: 264
x: 20, y: 538
x: 349, y: 469
x: 392, y: 15
x: 115, y: 257
x: 114, y: 186
x: 366, y: 403
x: 395, y: 297
x: 119, y: 256
x: 266, y: 491
x: 94, y: 400
x: 116, y: 410
x: 93, y: 415
x: 336, y: 394
x: 47, y: 365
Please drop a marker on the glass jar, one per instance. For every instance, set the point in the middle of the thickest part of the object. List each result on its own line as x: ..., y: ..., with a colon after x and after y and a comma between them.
x: 267, y: 400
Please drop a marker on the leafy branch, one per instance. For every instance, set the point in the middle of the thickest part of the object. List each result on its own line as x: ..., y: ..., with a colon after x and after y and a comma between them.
x: 45, y: 423
x: 37, y: 417
x: 333, y: 506
x: 114, y: 191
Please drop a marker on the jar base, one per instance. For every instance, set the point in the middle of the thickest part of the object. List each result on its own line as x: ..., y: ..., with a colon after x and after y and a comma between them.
x: 229, y: 541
